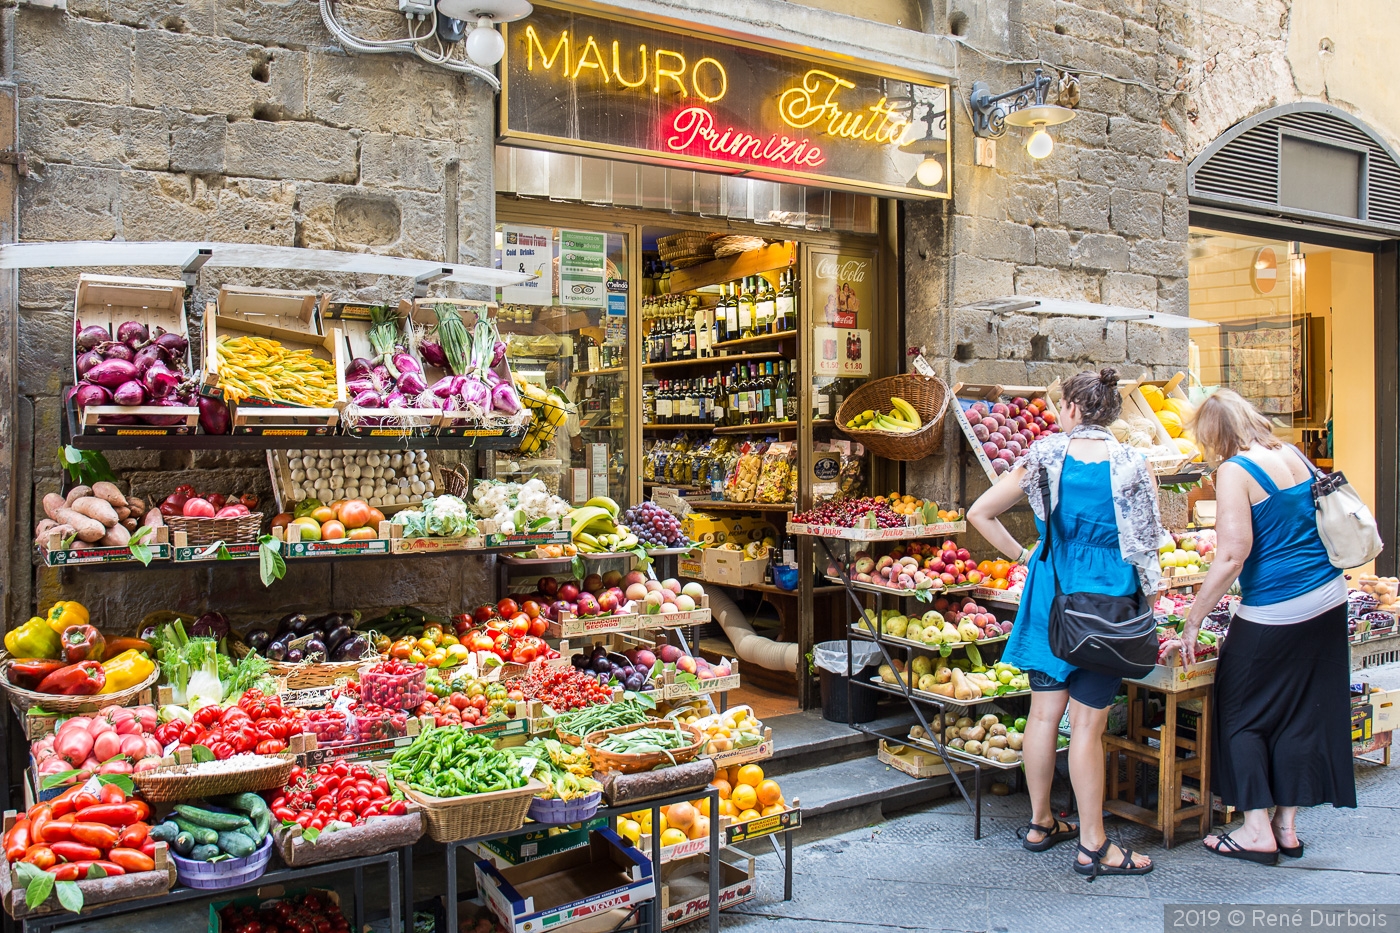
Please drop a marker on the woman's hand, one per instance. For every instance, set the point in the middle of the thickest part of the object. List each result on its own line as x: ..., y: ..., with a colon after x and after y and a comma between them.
x: 1189, y: 633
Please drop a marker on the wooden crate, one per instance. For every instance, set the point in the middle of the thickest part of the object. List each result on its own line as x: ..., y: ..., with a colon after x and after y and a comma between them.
x: 420, y: 314
x: 917, y: 763
x: 964, y: 395
x: 286, y: 310
x: 1136, y: 404
x: 353, y: 320
x: 107, y: 301
x: 55, y: 555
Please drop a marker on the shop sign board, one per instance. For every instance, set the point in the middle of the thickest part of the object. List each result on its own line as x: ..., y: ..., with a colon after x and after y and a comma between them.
x: 662, y: 93
x: 529, y: 250
x: 583, y: 264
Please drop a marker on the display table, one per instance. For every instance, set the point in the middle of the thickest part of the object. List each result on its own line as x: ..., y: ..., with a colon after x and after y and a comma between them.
x: 1173, y: 757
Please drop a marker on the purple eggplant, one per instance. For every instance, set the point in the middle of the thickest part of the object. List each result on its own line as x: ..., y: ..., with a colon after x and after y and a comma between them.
x: 111, y: 374
x: 91, y: 336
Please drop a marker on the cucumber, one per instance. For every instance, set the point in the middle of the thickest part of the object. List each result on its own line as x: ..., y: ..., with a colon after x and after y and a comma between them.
x: 183, y: 844
x: 208, y: 818
x: 236, y: 844
x: 203, y: 835
x: 205, y: 853
x: 252, y: 833
x: 165, y: 832
x: 250, y: 804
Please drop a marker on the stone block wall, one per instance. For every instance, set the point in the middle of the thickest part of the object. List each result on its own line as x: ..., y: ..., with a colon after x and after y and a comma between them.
x: 233, y: 120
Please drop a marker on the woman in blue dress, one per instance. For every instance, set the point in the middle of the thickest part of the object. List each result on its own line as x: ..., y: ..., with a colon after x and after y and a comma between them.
x: 1106, y: 534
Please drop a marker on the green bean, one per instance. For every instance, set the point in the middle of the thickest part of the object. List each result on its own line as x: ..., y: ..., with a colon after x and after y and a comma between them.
x: 625, y: 712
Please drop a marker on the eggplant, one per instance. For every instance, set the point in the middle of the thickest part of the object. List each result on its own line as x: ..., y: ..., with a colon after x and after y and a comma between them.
x: 315, y: 650
x: 294, y: 655
x: 299, y: 624
x: 351, y: 649
x: 258, y: 639
x: 337, y: 635
x: 285, y: 625
x: 210, y: 625
x: 277, y: 650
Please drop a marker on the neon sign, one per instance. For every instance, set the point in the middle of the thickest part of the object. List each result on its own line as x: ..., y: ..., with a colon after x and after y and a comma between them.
x: 693, y: 130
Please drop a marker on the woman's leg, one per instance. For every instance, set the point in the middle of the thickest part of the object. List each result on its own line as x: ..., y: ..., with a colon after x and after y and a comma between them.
x: 1285, y: 826
x: 1255, y: 835
x: 1086, y: 772
x: 1038, y: 754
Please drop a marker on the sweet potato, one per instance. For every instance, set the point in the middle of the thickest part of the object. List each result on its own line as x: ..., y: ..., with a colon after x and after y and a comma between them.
x: 116, y: 536
x: 77, y: 492
x: 41, y: 530
x: 88, y: 529
x: 53, y: 504
x: 137, y: 506
x: 123, y: 513
x: 110, y: 493
x: 153, y: 518
x: 95, y: 508
x: 130, y: 524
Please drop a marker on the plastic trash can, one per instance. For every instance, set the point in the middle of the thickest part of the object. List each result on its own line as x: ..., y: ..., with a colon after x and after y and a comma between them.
x: 830, y: 660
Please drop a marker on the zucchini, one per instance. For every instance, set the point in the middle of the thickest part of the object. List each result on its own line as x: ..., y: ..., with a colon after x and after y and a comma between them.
x: 203, y: 835
x: 205, y: 853
x: 183, y: 844
x: 165, y: 832
x: 210, y: 819
x: 236, y: 844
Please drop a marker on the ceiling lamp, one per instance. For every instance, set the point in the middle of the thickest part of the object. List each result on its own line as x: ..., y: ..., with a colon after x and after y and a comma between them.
x: 1023, y: 106
x: 485, y: 45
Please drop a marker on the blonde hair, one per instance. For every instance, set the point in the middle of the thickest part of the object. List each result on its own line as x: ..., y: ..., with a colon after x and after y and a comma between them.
x: 1226, y: 424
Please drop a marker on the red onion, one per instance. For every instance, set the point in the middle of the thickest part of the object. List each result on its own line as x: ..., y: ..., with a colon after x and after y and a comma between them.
x: 369, y: 399
x: 88, y: 395
x: 165, y: 421
x: 444, y: 387
x: 116, y: 351
x: 405, y: 363
x: 90, y: 337
x: 87, y: 361
x: 433, y: 354
x: 359, y: 368
x: 412, y: 383
x: 356, y: 386
x: 146, y: 356
x: 129, y: 393
x: 159, y: 380
x: 395, y: 399
x: 173, y: 344
x: 498, y: 353
x: 503, y: 397
x: 133, y: 333
x: 111, y: 373
x: 213, y: 416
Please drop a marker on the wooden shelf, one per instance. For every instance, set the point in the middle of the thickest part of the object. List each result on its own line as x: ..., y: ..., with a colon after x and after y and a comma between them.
x: 754, y: 262
x: 652, y: 484
x: 601, y: 372
x: 757, y: 428
x: 723, y: 505
x: 770, y: 588
x: 750, y: 341
x: 701, y: 426
x: 717, y: 360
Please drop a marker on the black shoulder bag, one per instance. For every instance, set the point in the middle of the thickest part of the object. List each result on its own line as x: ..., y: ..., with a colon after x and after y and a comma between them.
x: 1114, y: 635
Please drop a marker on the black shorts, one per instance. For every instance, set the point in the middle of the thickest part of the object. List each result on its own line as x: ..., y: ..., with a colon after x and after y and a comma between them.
x: 1090, y: 688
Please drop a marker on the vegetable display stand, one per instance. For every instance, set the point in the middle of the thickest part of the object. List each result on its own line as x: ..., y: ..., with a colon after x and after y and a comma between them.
x: 23, y: 700
x: 114, y: 890
x: 378, y: 546
x: 1173, y: 752
x: 356, y: 322
x: 964, y: 396
x: 54, y: 554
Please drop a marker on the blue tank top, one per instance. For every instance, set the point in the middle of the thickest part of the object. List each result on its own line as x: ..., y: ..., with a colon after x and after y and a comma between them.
x: 1288, y: 558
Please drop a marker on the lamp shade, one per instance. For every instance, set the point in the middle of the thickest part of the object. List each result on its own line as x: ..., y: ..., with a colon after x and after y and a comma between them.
x: 1044, y: 114
x: 498, y: 11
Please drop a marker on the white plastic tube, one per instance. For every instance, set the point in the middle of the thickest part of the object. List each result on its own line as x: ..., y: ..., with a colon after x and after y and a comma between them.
x: 750, y: 647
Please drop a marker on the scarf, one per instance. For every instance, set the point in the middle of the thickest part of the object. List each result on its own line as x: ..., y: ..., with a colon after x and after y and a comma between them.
x: 1140, y: 531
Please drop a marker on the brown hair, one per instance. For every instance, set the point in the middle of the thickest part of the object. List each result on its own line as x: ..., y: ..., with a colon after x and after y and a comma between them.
x: 1095, y: 395
x: 1226, y: 424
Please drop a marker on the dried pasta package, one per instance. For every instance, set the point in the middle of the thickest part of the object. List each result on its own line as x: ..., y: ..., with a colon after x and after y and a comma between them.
x: 775, y: 477
x: 743, y: 479
x: 852, y: 477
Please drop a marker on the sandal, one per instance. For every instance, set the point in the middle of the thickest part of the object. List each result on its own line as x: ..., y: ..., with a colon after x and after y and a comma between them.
x: 1231, y: 849
x: 1097, y: 867
x: 1052, y: 835
x: 1291, y: 851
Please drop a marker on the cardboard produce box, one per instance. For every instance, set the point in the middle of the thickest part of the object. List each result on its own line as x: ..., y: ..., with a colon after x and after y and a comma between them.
x: 685, y: 887
x: 549, y: 840
x: 716, y: 565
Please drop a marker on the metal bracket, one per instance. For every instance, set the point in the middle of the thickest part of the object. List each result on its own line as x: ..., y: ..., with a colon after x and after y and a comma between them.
x: 421, y: 282
x: 190, y: 270
x: 16, y: 158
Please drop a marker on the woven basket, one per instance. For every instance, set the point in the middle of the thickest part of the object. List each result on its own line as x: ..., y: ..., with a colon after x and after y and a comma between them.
x: 203, y: 532
x: 733, y: 245
x: 303, y: 676
x: 568, y: 738
x: 453, y: 818
x: 182, y: 783
x: 455, y: 482
x: 22, y: 699
x: 643, y: 761
x: 685, y: 249
x: 927, y: 394
x: 557, y: 812
x: 230, y: 873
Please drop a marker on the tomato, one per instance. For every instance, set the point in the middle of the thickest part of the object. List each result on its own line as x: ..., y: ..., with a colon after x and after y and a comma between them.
x: 362, y: 534
x: 354, y: 513
x: 538, y: 626
x: 270, y: 746
x: 192, y: 734
x: 375, y: 517
x: 40, y: 856
x: 518, y: 626
x: 332, y: 531
x: 284, y: 814
x: 523, y: 654
x: 111, y: 793
x: 507, y: 607
x: 206, y: 716
x: 481, y: 642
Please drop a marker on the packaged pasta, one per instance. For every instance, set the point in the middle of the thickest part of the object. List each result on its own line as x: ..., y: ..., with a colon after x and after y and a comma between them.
x: 775, y: 476
x: 743, y: 479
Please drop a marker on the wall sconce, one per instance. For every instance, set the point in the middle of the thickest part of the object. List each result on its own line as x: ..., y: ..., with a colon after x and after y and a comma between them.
x: 1023, y: 106
x: 930, y: 171
x: 485, y: 45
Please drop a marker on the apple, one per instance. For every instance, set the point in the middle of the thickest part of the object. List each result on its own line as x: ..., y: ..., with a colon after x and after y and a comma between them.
x: 636, y: 576
x: 612, y: 578
x: 592, y: 583
x: 548, y: 586
x: 964, y: 554
x: 607, y: 602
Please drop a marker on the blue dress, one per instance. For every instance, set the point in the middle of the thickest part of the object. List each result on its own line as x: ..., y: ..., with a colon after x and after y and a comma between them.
x: 1086, y: 557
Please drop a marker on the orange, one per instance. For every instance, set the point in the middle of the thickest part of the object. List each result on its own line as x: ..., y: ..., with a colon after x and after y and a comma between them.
x: 985, y: 568
x: 751, y: 775
x: 727, y: 808
x: 1000, y: 569
x: 671, y: 837
x: 744, y: 797
x: 723, y: 787
x: 769, y: 793
x: 702, y: 806
x: 773, y: 808
x: 681, y: 815
x: 700, y: 829
x: 747, y: 815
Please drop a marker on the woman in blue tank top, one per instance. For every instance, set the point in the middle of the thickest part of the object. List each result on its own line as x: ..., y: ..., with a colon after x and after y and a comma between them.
x: 1281, y: 722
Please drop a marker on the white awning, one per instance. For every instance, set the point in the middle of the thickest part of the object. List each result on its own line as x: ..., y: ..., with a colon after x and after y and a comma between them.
x: 1029, y: 304
x: 187, y: 255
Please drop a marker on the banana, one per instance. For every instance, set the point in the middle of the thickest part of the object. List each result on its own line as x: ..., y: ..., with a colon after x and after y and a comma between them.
x: 603, y: 502
x: 584, y: 538
x: 581, y: 518
x: 906, y: 411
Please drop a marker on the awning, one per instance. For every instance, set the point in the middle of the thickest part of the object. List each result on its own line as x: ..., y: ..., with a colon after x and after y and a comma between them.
x: 1029, y: 304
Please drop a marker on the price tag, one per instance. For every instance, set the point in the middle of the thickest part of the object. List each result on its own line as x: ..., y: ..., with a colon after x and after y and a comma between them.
x: 170, y: 748
x: 93, y: 786
x: 527, y: 766
x: 343, y: 703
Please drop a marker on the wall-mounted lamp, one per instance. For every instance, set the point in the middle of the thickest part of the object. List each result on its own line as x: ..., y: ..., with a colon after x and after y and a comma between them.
x: 1022, y: 106
x: 930, y: 171
x: 485, y: 45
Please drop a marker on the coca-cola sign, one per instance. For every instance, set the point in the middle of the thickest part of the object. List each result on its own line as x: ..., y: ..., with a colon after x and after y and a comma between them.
x: 846, y: 270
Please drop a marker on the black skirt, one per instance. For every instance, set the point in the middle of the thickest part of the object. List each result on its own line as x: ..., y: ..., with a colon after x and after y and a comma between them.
x: 1281, y: 731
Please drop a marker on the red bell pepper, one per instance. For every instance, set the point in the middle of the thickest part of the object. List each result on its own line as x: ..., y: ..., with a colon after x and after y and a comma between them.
x: 29, y: 673
x: 83, y: 643
x: 82, y: 679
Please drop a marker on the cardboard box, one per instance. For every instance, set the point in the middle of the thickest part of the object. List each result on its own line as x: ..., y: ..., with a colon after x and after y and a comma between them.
x: 916, y: 762
x: 542, y: 842
x: 557, y: 889
x: 705, y: 528
x: 1385, y: 710
x: 272, y: 892
x: 715, y: 565
x: 1176, y: 678
x: 685, y: 887
x: 55, y: 555
x: 1362, y: 723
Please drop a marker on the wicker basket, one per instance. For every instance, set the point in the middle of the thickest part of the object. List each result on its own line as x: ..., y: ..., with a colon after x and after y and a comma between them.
x: 685, y: 249
x: 927, y: 394
x: 643, y: 761
x: 455, y: 482
x: 304, y: 676
x: 556, y: 812
x: 183, y: 783
x: 453, y: 818
x: 203, y: 532
x: 734, y: 245
x: 568, y: 738
x: 22, y: 699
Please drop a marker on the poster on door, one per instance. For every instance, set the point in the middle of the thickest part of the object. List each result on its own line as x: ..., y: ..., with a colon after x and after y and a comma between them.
x: 842, y: 351
x: 583, y: 263
x: 845, y: 288
x: 528, y: 250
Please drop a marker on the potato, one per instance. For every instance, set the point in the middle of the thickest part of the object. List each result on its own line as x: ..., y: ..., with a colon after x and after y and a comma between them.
x: 53, y: 504
x: 95, y: 508
x: 153, y: 518
x: 116, y: 536
x: 88, y: 529
x: 64, y: 532
x: 110, y: 493
x: 77, y: 492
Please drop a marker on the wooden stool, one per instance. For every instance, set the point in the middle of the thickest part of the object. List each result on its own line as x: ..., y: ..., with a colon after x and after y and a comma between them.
x: 1175, y: 757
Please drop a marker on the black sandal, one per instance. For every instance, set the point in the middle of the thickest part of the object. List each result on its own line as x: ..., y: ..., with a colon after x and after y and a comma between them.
x: 1051, y: 836
x: 1291, y: 851
x: 1097, y: 867
x: 1229, y: 848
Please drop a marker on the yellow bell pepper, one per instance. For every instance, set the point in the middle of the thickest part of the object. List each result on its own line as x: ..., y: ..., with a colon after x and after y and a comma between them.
x: 33, y: 639
x: 67, y: 613
x: 126, y: 670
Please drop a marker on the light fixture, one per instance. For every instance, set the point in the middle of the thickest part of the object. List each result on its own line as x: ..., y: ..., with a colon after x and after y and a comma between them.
x: 930, y: 171
x: 484, y: 45
x: 1023, y: 106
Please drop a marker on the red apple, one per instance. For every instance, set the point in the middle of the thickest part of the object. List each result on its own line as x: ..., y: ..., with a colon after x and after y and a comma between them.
x: 568, y: 591
x: 549, y: 586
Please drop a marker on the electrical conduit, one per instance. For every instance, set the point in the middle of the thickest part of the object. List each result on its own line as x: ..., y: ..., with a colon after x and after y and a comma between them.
x: 750, y: 647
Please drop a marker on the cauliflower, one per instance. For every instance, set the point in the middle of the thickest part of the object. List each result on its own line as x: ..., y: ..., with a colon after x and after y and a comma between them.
x: 440, y: 517
x: 519, y: 507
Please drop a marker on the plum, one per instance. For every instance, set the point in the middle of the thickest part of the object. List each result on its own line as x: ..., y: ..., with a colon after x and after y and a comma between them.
x: 980, y: 431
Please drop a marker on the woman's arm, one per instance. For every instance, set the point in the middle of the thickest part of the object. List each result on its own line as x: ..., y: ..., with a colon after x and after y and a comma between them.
x: 984, y: 513
x: 1234, y: 539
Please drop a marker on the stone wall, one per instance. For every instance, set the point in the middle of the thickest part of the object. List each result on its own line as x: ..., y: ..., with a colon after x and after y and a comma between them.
x: 235, y: 120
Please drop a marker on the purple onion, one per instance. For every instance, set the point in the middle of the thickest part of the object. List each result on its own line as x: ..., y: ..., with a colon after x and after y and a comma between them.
x: 129, y: 393
x: 475, y: 392
x: 159, y: 380
x: 88, y: 395
x: 90, y: 337
x: 133, y: 333
x: 213, y: 416
x: 111, y: 374
x: 359, y: 368
x: 363, y: 384
x: 405, y: 363
x: 498, y: 353
x: 173, y: 344
x: 412, y: 383
x: 433, y: 354
x: 87, y: 361
x: 381, y: 372
x: 444, y: 387
x: 116, y: 351
x: 148, y: 355
x: 165, y: 421
x: 395, y: 399
x: 369, y: 399
x: 492, y: 380
x: 504, y: 399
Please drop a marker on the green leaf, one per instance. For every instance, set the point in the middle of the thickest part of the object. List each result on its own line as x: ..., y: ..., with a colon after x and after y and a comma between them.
x: 222, y: 553
x: 68, y: 541
x: 271, y: 566
x: 580, y: 570
x: 688, y: 678
x: 38, y: 890
x: 201, y: 754
x: 72, y: 454
x: 96, y: 871
x: 540, y: 522
x: 945, y: 650
x: 27, y: 871
x: 123, y: 781
x: 138, y: 549
x: 55, y: 780
x: 311, y: 834
x: 924, y: 596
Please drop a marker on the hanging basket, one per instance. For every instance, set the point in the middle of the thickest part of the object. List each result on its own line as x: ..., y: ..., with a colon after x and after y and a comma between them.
x: 927, y: 394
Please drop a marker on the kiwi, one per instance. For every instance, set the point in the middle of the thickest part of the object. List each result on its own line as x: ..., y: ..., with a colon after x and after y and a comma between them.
x: 973, y: 747
x: 997, y: 729
x: 987, y: 721
x: 918, y: 732
x: 955, y: 743
x: 963, y: 723
x: 1013, y: 740
x: 996, y: 741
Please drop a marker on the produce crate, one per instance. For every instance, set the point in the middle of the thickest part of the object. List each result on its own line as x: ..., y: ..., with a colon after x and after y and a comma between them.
x: 55, y: 555
x: 402, y: 545
x: 297, y: 311
x: 685, y: 887
x: 541, y: 842
x: 916, y: 763
x: 377, y: 834
x: 279, y: 467
x: 572, y: 626
x: 910, y: 532
x: 1181, y: 581
x: 729, y: 568
x: 354, y: 321
x: 734, y: 832
x: 294, y: 547
x: 494, y: 537
x: 994, y: 595
x: 264, y: 894
x: 1135, y: 402
x: 679, y: 688
x: 309, y: 754
x: 182, y: 552
x: 263, y: 416
x: 743, y: 756
x: 1385, y: 705
x: 966, y: 394
x: 1176, y: 678
x: 107, y: 301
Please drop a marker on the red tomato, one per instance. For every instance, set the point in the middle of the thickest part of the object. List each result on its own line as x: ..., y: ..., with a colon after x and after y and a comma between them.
x: 530, y: 608
x: 538, y: 626
x: 507, y: 607
x: 482, y: 642
x: 519, y: 626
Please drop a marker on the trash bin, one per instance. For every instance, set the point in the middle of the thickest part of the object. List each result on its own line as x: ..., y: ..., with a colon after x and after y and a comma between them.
x: 830, y: 660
